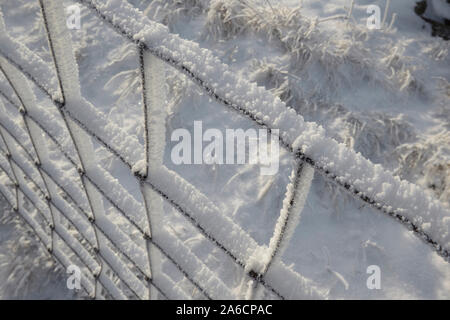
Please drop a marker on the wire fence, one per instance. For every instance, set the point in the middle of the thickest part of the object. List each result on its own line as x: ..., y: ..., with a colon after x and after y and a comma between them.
x: 69, y: 216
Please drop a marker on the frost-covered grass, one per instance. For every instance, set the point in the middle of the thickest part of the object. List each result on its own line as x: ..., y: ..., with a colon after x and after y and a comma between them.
x: 327, y: 68
x: 328, y: 75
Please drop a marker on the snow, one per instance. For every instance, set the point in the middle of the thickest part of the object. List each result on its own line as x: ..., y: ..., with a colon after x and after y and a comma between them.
x: 441, y: 8
x: 154, y: 71
x: 233, y: 204
x: 27, y: 58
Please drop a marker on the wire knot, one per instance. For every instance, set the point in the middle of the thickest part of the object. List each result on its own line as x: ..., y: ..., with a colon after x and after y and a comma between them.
x: 147, y: 236
x: 254, y: 275
x: 80, y: 171
x: 141, y: 177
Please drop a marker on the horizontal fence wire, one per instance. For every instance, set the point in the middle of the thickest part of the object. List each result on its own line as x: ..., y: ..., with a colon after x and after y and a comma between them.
x: 124, y: 264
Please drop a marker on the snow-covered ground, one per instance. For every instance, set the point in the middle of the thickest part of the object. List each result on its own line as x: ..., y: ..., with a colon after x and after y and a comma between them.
x: 26, y: 270
x: 384, y: 93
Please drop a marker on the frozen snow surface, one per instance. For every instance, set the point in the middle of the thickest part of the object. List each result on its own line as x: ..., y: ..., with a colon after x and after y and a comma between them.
x: 370, y: 106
